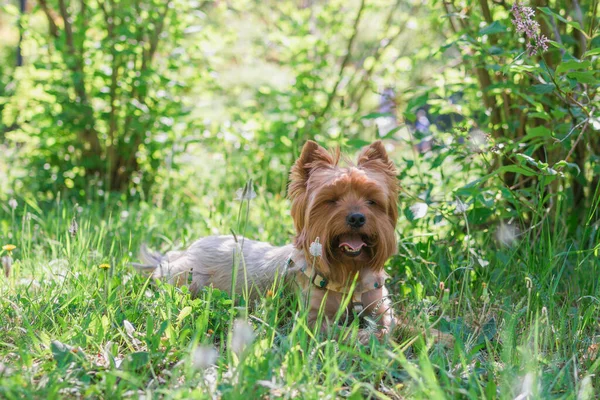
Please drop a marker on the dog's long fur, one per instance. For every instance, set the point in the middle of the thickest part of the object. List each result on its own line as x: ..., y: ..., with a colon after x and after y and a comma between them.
x: 210, y: 261
x: 323, y: 196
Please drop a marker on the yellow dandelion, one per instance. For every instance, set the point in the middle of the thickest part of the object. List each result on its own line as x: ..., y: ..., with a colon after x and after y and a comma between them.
x: 269, y: 293
x: 104, y: 266
x: 9, y: 247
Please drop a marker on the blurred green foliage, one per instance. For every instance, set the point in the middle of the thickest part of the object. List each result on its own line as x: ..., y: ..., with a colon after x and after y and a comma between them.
x: 99, y: 97
x: 122, y: 89
x: 141, y: 118
x: 134, y: 96
x: 117, y: 95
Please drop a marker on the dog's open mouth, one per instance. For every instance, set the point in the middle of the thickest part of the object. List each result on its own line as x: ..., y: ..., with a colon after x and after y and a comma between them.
x: 351, y: 244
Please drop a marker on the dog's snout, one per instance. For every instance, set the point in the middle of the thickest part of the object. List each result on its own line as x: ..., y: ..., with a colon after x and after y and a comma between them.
x: 356, y: 220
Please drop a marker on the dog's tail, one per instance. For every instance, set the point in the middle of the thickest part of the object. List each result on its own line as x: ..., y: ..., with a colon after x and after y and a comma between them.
x: 162, y: 266
x: 150, y: 260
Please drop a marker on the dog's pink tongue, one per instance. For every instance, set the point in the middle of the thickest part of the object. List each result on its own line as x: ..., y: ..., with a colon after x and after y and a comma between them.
x: 353, y: 241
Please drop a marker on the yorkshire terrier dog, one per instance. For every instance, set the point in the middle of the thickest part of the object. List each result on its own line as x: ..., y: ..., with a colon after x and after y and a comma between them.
x: 345, y: 219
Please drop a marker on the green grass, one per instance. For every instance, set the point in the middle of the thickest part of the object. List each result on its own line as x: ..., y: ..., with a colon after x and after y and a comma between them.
x: 525, y: 316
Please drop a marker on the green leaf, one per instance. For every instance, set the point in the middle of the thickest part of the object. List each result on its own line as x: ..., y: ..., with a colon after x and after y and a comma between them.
x: 495, y: 50
x: 542, y: 115
x: 563, y: 163
x: 517, y: 169
x: 557, y: 45
x: 472, y: 186
x: 592, y: 52
x: 494, y: 27
x: 489, y: 330
x: 572, y: 64
x: 573, y: 24
x: 410, y: 117
x: 376, y: 115
x: 479, y: 215
x: 135, y: 361
x: 542, y: 88
x: 520, y: 68
x: 526, y: 158
x: 491, y: 390
x: 576, y: 25
x: 391, y: 132
x: 551, y: 13
x: 185, y: 311
x: 538, y: 131
x: 357, y: 143
x: 583, y: 77
x: 417, y: 102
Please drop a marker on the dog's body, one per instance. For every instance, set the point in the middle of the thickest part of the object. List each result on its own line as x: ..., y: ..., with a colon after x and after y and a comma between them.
x: 345, y: 220
x: 213, y: 261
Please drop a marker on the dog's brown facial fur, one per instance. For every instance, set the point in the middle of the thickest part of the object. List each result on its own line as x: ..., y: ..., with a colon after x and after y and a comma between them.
x: 326, y: 196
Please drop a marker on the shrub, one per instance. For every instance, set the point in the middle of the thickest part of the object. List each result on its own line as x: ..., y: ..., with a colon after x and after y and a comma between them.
x: 99, y: 102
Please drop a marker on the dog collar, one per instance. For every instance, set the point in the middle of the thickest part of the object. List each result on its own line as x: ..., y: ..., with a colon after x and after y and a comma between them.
x: 323, y: 283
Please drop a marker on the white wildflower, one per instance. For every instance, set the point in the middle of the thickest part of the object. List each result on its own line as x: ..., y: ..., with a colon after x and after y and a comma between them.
x: 316, y: 248
x: 419, y: 210
x: 245, y: 193
x: 129, y: 328
x: 12, y: 203
x: 507, y: 234
x: 204, y: 356
x: 242, y: 336
x: 461, y: 207
x: 478, y: 141
x: 107, y: 355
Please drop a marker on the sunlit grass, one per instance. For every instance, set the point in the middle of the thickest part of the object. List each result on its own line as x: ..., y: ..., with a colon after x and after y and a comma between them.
x: 77, y: 321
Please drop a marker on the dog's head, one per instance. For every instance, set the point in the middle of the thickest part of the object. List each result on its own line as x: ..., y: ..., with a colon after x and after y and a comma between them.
x: 352, y: 210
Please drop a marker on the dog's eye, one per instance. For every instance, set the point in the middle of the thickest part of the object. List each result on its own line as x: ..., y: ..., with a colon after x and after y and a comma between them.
x: 331, y: 201
x: 371, y: 202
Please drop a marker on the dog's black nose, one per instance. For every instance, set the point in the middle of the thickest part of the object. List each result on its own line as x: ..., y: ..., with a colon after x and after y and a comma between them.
x: 356, y: 220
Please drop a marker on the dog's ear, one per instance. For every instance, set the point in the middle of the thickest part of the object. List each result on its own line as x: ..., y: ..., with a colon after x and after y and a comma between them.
x: 313, y: 157
x: 374, y: 156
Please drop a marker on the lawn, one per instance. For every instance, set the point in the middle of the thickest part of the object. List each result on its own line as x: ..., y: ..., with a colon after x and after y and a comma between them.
x: 77, y: 321
x: 131, y: 122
